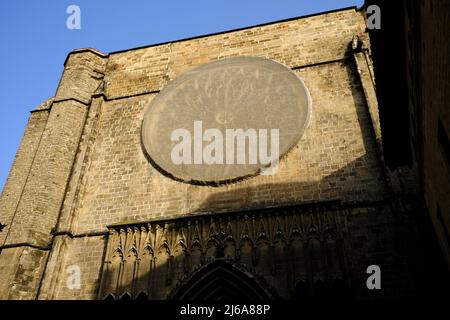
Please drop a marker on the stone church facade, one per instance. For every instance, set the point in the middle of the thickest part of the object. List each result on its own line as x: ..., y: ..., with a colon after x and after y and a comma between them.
x: 83, y: 193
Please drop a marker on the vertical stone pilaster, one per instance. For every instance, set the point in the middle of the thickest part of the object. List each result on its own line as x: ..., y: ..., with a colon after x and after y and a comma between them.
x: 35, y: 207
x: 20, y: 171
x: 368, y: 86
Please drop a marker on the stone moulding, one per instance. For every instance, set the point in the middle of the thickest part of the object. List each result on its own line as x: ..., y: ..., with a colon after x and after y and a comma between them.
x: 158, y: 257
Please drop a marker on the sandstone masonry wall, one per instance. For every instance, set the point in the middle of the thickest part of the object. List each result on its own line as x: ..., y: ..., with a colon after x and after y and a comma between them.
x: 90, y: 170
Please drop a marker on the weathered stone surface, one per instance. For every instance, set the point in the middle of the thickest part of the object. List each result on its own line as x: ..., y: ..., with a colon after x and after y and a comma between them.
x: 82, y: 168
x: 245, y: 93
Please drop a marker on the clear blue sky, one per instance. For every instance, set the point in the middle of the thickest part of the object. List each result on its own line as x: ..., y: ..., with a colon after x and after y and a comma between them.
x: 35, y: 41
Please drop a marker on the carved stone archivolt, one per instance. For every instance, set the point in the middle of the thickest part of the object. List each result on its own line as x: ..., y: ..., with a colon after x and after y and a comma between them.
x: 279, y: 247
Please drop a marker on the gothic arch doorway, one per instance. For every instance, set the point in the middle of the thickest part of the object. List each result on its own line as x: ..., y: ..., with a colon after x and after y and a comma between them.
x: 221, y: 281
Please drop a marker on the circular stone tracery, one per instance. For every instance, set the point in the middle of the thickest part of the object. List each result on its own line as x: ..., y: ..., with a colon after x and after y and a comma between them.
x: 234, y: 93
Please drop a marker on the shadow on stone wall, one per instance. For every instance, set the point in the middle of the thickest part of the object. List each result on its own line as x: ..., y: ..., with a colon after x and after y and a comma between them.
x: 345, y: 222
x: 326, y: 258
x: 321, y: 255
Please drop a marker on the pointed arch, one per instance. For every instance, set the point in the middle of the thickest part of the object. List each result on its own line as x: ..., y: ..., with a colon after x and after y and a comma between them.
x: 246, y: 252
x: 221, y: 281
x: 142, y: 296
x: 144, y: 268
x: 129, y: 269
x: 148, y: 251
x: 196, y: 253
x: 179, y: 260
x: 263, y: 255
x: 164, y: 248
x: 229, y: 248
x: 117, y: 254
x: 114, y: 271
x: 109, y: 297
x: 126, y: 296
x: 211, y: 248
